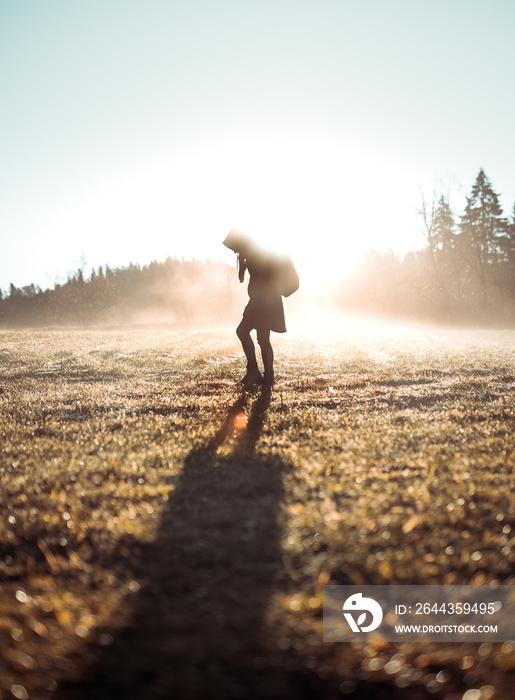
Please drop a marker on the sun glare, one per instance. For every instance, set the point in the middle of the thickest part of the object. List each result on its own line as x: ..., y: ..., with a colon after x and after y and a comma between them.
x: 322, y: 200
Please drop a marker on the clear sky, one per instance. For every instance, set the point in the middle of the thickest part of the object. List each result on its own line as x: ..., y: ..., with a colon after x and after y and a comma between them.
x: 131, y: 130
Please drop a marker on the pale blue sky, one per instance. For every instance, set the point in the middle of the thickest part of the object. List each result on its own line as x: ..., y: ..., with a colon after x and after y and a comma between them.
x: 133, y: 130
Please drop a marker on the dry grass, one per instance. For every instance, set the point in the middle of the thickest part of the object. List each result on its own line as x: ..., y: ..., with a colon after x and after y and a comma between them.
x: 163, y: 536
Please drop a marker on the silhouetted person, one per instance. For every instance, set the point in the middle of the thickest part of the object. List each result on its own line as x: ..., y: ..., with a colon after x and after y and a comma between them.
x: 265, y: 310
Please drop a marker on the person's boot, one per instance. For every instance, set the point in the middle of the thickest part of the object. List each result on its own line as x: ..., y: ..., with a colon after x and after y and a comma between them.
x: 252, y: 378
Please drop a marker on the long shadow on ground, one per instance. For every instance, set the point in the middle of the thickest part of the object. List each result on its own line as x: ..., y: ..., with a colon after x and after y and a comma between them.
x: 197, y: 630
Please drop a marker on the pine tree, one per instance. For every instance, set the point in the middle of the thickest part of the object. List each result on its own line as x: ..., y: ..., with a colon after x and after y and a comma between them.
x: 444, y: 265
x: 483, y: 224
x: 443, y: 230
x: 482, y: 238
x: 447, y: 261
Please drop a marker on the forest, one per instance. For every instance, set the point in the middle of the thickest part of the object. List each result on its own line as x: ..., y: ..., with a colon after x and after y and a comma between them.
x: 464, y: 275
x: 180, y: 292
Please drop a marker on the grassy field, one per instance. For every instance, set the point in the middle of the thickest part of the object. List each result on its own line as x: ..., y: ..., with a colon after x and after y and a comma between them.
x: 163, y: 535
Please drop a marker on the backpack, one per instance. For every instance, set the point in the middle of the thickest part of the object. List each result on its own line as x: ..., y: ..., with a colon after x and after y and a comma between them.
x: 288, y: 277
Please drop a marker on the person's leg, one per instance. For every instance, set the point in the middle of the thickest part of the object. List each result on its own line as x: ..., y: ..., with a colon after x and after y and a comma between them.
x: 267, y: 353
x: 253, y: 375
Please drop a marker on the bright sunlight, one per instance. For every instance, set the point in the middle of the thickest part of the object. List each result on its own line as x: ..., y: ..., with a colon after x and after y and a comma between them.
x: 322, y: 200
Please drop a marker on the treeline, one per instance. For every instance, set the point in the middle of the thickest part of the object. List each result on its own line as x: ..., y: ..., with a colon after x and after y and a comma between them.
x: 174, y: 291
x: 464, y: 275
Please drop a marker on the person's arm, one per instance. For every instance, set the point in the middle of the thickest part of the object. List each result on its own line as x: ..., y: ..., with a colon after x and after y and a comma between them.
x: 242, y: 266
